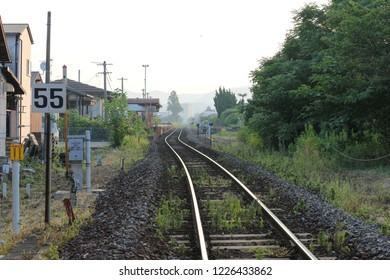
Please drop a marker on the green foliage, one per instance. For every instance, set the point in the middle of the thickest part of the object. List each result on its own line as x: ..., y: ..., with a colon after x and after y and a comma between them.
x: 170, y: 215
x: 228, y: 214
x: 174, y: 107
x: 260, y: 253
x: 118, y: 122
x: 121, y: 122
x: 253, y: 139
x: 231, y: 116
x: 51, y: 253
x: 339, y: 239
x: 299, y: 208
x: 308, y: 153
x: 314, y: 163
x: 332, y: 71
x: 211, y: 119
x: 324, y: 241
x: 224, y: 99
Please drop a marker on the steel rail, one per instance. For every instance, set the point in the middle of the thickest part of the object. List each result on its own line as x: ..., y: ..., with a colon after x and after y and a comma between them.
x: 282, y: 228
x: 198, y: 221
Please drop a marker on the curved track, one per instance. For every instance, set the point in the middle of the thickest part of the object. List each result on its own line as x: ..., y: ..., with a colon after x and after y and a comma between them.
x: 229, y: 232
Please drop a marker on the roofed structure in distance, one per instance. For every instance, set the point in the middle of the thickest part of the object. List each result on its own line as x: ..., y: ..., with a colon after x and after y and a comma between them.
x: 85, y: 88
x: 145, y: 102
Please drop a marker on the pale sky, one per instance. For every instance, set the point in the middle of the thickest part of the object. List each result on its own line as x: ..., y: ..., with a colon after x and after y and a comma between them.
x: 191, y: 46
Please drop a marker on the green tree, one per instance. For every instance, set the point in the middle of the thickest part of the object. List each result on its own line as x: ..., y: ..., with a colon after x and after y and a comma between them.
x: 174, y: 107
x: 232, y: 116
x: 116, y: 116
x: 333, y: 71
x: 223, y: 100
x: 353, y: 78
x: 277, y: 110
x: 120, y: 121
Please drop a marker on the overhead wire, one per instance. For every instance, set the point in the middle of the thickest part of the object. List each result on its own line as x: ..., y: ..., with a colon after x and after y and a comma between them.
x: 359, y: 159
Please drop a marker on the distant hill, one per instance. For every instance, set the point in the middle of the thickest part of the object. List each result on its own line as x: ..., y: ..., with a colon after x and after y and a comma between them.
x: 199, y: 102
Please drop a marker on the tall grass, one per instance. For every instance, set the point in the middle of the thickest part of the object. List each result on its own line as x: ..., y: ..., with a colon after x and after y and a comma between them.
x: 32, y: 209
x: 359, y: 188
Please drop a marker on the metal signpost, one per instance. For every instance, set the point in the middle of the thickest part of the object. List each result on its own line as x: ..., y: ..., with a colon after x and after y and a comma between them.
x: 48, y: 98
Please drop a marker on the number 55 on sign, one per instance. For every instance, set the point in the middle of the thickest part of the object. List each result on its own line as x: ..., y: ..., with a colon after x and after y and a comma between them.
x: 49, y: 98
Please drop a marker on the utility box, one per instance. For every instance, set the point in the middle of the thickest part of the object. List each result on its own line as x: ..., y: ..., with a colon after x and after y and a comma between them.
x: 76, y: 148
x: 76, y: 157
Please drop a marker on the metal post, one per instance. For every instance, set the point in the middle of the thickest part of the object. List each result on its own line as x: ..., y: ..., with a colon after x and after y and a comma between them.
x: 105, y: 80
x: 28, y: 193
x: 145, y: 92
x: 122, y: 79
x: 15, y: 196
x: 4, y: 190
x: 122, y: 164
x: 65, y: 82
x: 88, y: 159
x: 211, y: 142
x: 105, y: 85
x: 2, y: 242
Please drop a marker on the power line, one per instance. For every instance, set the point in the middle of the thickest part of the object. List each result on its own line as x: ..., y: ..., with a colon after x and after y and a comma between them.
x: 105, y: 81
x: 122, y: 79
x: 359, y: 159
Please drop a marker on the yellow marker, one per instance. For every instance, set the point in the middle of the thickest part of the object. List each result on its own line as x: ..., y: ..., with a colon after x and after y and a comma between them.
x: 17, y: 152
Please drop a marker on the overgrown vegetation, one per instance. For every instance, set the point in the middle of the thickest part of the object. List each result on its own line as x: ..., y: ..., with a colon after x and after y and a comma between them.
x: 318, y: 115
x: 32, y: 210
x: 230, y: 214
x: 332, y: 72
x: 114, y: 127
x: 171, y: 215
x: 360, y: 188
x: 128, y: 138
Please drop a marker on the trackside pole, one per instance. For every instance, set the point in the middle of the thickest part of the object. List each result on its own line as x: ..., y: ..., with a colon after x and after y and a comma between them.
x: 15, y: 196
x: 2, y: 242
x: 88, y: 159
x: 4, y: 190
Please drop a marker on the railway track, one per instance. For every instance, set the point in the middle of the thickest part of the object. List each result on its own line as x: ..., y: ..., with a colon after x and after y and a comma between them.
x: 229, y: 220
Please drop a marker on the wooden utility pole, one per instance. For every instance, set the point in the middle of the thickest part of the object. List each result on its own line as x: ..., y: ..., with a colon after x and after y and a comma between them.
x: 48, y: 128
x: 105, y: 84
x: 122, y: 79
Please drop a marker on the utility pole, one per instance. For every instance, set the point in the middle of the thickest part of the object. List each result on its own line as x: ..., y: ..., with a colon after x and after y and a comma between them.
x: 122, y: 79
x: 145, y: 92
x: 105, y: 84
x: 48, y: 129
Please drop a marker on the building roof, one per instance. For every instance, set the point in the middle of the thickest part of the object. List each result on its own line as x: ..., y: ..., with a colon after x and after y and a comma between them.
x: 85, y: 88
x: 18, y: 28
x: 36, y: 77
x: 11, y: 79
x: 144, y: 101
x: 4, y: 53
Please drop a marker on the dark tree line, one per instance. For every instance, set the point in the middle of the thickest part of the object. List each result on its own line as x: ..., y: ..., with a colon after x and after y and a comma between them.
x: 333, y: 72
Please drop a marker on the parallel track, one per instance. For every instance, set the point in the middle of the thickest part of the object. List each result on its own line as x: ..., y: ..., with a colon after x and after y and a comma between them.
x: 217, y: 243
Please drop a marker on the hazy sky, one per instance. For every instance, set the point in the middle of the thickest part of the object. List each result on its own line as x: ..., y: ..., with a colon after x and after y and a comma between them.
x: 191, y: 46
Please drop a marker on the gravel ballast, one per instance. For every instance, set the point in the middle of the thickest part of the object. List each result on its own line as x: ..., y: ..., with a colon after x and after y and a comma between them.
x: 122, y: 225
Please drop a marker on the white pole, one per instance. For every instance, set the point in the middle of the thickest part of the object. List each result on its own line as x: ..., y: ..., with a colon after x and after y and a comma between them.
x: 88, y: 159
x: 28, y: 190
x: 15, y: 196
x: 4, y: 190
x: 2, y: 242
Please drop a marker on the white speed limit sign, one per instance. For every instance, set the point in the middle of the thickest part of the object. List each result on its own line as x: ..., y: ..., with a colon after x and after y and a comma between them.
x: 49, y: 98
